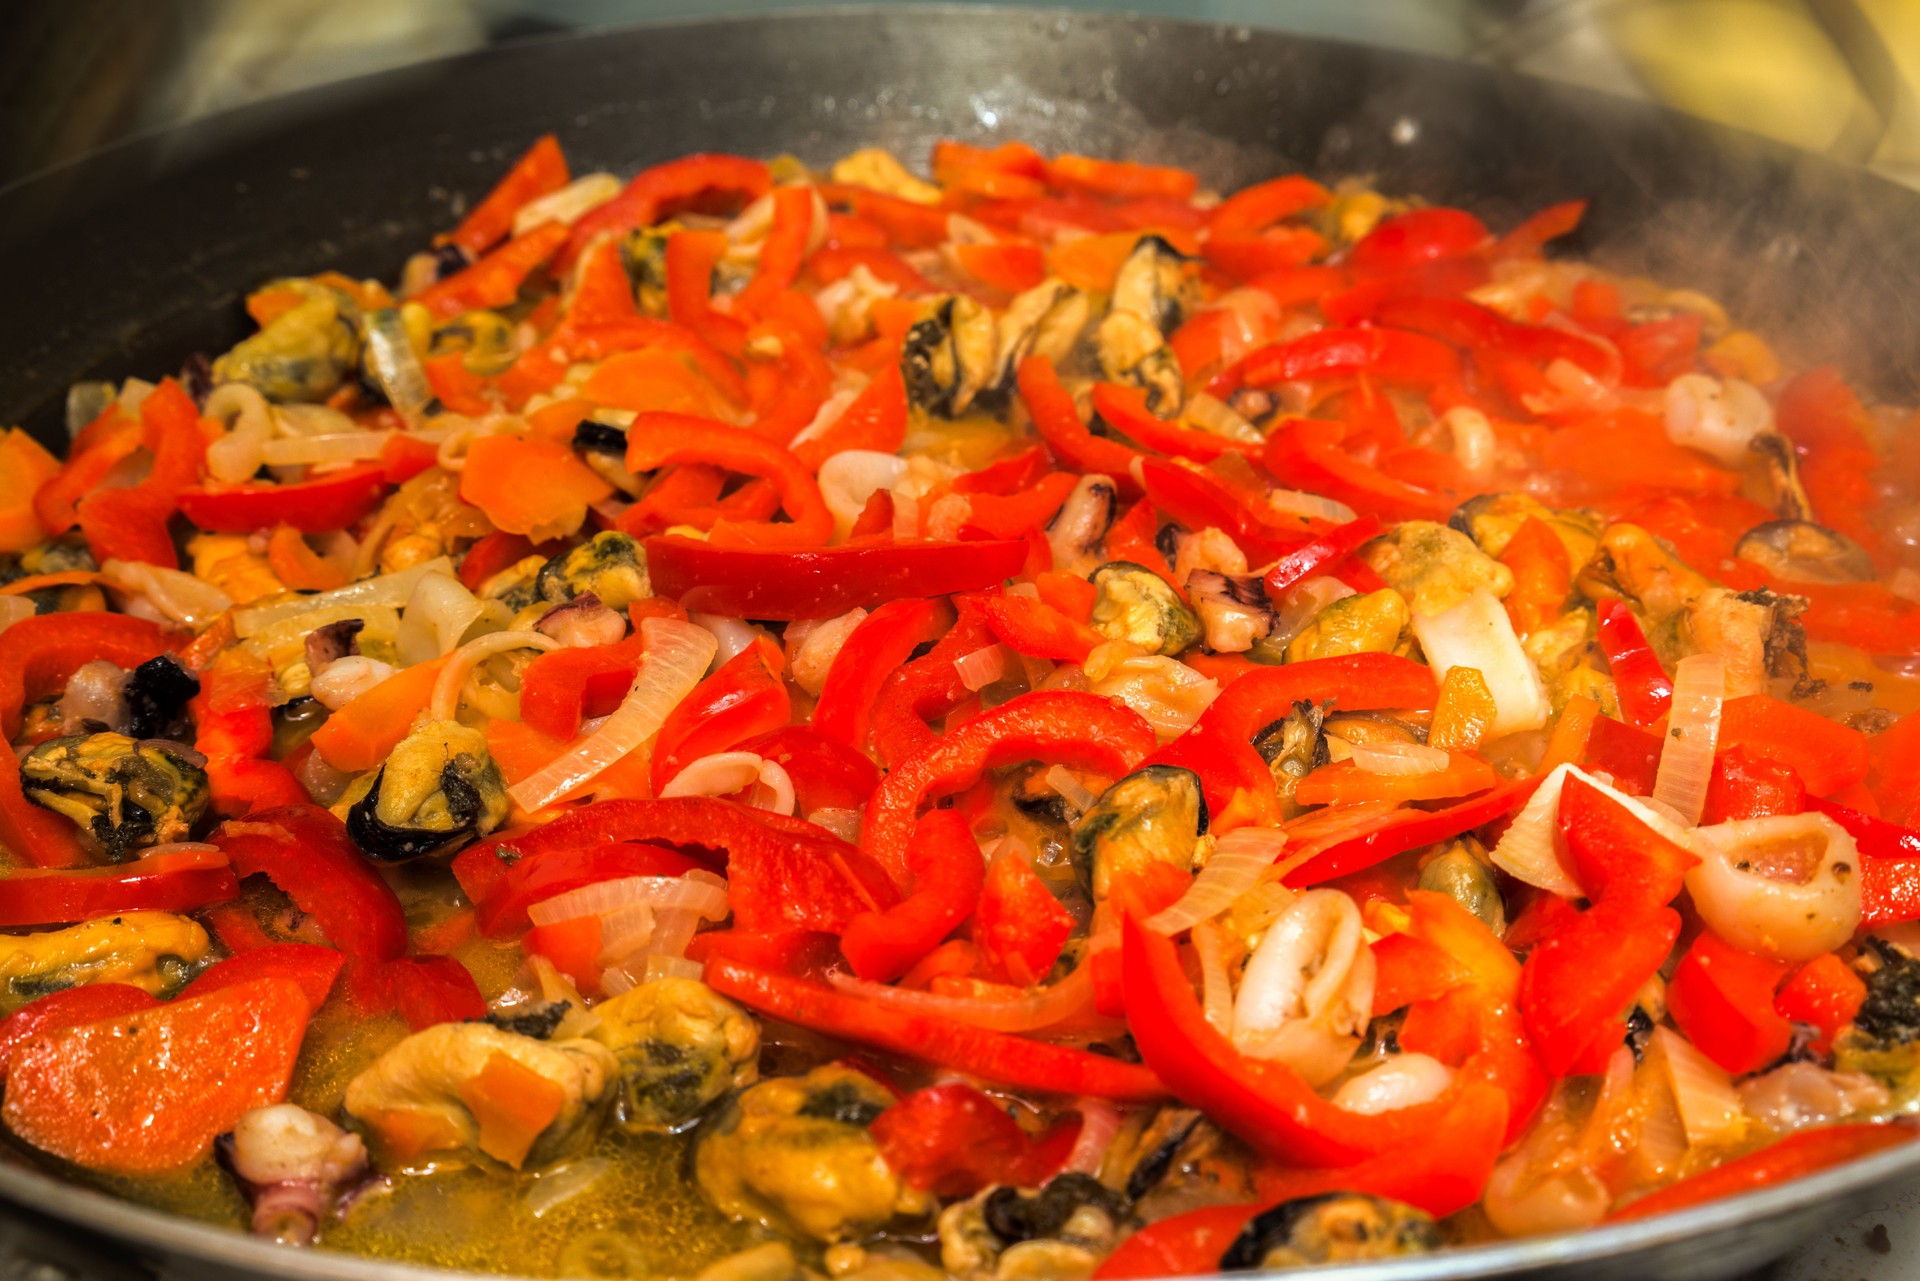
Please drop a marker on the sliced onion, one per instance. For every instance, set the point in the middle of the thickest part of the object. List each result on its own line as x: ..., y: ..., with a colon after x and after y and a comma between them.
x: 554, y: 1188
x: 1041, y: 1009
x: 346, y: 679
x: 850, y: 477
x: 1302, y: 603
x: 1472, y: 437
x: 1693, y: 735
x: 237, y: 455
x: 732, y: 634
x: 334, y: 447
x: 181, y: 597
x: 1298, y: 502
x: 1216, y: 989
x: 1099, y: 1123
x: 695, y: 892
x: 1211, y: 415
x: 982, y: 667
x: 1071, y: 789
x: 724, y: 773
x: 843, y: 823
x: 388, y: 589
x: 1709, y: 1105
x: 444, y: 704
x: 395, y: 365
x: 624, y: 932
x: 676, y: 657
x: 1478, y: 633
x: 1399, y: 760
x: 1403, y: 1081
x: 660, y: 966
x: 438, y: 612
x: 1239, y: 860
x: 827, y: 415
x: 812, y: 646
x: 587, y: 192
x: 1534, y: 851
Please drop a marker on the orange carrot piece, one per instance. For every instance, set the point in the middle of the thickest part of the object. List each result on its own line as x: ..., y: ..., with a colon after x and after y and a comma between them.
x: 530, y: 486
x: 361, y: 735
x: 513, y: 1104
x: 1463, y: 712
x: 1343, y: 783
x: 1567, y: 745
x: 298, y: 566
x: 147, y: 1092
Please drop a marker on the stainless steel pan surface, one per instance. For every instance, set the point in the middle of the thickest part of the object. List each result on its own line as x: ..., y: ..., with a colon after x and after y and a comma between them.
x: 136, y: 258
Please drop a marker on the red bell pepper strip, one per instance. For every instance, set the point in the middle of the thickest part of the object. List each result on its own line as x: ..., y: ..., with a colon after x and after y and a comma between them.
x: 822, y: 582
x: 1390, y: 355
x: 1125, y: 410
x: 41, y: 653
x: 1032, y: 627
x: 1058, y: 422
x: 495, y: 280
x: 691, y: 259
x: 660, y: 439
x: 928, y: 687
x: 1019, y: 923
x: 1631, y: 756
x: 1416, y: 238
x: 1479, y: 329
x: 1197, y: 498
x: 876, y: 420
x: 991, y: 1056
x: 1550, y: 223
x: 1801, y: 1153
x: 100, y: 447
x: 500, y: 907
x: 491, y: 554
x: 1253, y: 209
x: 709, y: 182
x: 68, y: 1007
x: 1404, y: 829
x: 1827, y: 755
x: 1321, y: 553
x: 1181, y: 1245
x: 1265, y: 1102
x: 1306, y: 454
x: 132, y: 523
x: 562, y: 686
x: 1615, y: 856
x: 541, y: 171
x: 946, y: 875
x: 1722, y: 998
x: 1409, y: 969
x: 908, y: 225
x: 305, y: 851
x: 169, y: 882
x: 781, y: 871
x: 1645, y: 688
x: 1745, y: 785
x: 1890, y: 864
x: 317, y: 506
x: 1219, y: 747
x: 783, y: 249
x: 826, y: 775
x: 877, y: 648
x: 422, y: 990
x: 1824, y: 992
x: 1120, y: 177
x: 744, y: 699
x: 233, y: 729
x: 952, y: 1140
x: 314, y: 968
x: 1083, y: 731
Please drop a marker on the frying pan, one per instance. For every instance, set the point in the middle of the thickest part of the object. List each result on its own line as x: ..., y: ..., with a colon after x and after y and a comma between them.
x: 133, y: 259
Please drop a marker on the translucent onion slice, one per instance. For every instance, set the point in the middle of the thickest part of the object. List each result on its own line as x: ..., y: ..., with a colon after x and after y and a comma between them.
x: 588, y: 191
x: 697, y: 892
x: 624, y: 932
x: 1302, y: 602
x: 1478, y: 633
x: 388, y: 589
x: 1216, y: 989
x: 180, y: 596
x: 982, y: 667
x: 1030, y: 1013
x: 677, y: 655
x: 1533, y: 849
x: 724, y: 773
x: 444, y: 704
x: 1211, y: 415
x: 1298, y: 502
x: 1399, y: 760
x: 1709, y: 1105
x: 1071, y: 789
x: 660, y: 966
x: 333, y: 447
x: 1693, y: 734
x: 1099, y: 1123
x: 1239, y: 860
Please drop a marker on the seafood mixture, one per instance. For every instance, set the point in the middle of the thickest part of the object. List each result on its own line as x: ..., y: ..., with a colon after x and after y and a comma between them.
x: 1041, y: 722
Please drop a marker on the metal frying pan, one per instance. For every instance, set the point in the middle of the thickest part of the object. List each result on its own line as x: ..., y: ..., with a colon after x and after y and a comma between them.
x: 133, y: 259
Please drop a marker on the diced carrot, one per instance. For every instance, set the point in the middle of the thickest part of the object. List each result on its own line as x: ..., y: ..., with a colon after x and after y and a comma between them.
x: 513, y: 1104
x: 530, y: 486
x: 300, y: 567
x: 24, y: 466
x: 361, y: 735
x: 651, y: 380
x: 148, y: 1091
x: 1567, y: 745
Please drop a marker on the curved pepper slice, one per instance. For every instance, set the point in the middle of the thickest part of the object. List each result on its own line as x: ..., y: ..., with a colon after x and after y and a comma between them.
x: 826, y: 775
x: 69, y: 1007
x: 662, y: 439
x: 1799, y: 1154
x: 710, y: 181
x: 541, y: 170
x: 744, y: 699
x: 952, y: 1140
x: 132, y: 523
x: 317, y: 506
x: 1084, y: 731
x: 173, y: 882
x: 927, y: 687
x: 1058, y: 422
x: 877, y: 648
x: 306, y: 852
x: 822, y: 582
x: 992, y: 1056
x: 947, y: 875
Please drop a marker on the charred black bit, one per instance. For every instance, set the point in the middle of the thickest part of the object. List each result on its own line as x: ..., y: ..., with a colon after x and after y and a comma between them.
x: 1334, y: 1227
x: 1014, y: 1216
x: 1166, y: 540
x: 537, y: 1022
x: 1891, y: 1012
x: 842, y: 1102
x: 157, y: 694
x: 449, y: 260
x: 331, y: 642
x: 1151, y: 1169
x: 595, y: 437
x: 196, y: 376
x: 1383, y: 1035
x: 1639, y: 1032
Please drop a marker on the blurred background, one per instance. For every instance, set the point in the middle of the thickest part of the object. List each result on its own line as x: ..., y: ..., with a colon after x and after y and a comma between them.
x: 1835, y: 76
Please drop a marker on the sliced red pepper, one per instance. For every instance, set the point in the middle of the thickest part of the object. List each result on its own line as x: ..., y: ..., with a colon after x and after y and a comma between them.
x: 1417, y: 238
x: 1468, y: 325
x: 1198, y: 499
x: 500, y: 907
x: 1032, y: 627
x: 314, y: 968
x: 660, y: 439
x: 822, y: 582
x: 927, y: 687
x: 1645, y: 688
x: 707, y: 182
x: 68, y: 1007
x: 1631, y: 756
x: 1321, y: 553
x: 946, y: 875
x: 306, y: 852
x: 422, y: 990
x: 1404, y: 829
x: 1890, y: 864
x: 1391, y: 355
x: 826, y: 775
x: 1058, y: 422
x: 1799, y: 1154
x: 495, y: 280
x: 1010, y: 266
x: 132, y: 523
x: 991, y: 1056
x: 1125, y: 410
x: 1120, y: 177
x: 1409, y: 969
x: 1827, y: 755
x: 1306, y: 453
x: 1824, y: 992
x: 1082, y: 731
x: 168, y: 882
x: 908, y: 225
x: 317, y: 506
x: 541, y: 171
x: 1019, y: 923
x: 1180, y: 1245
x: 1722, y: 998
x: 877, y: 648
x: 563, y: 686
x: 952, y: 1140
x: 876, y: 420
x: 1746, y: 785
x: 744, y: 699
x: 1615, y: 855
x: 783, y: 249
x: 233, y: 729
